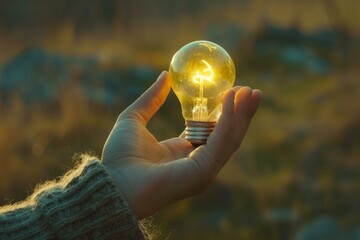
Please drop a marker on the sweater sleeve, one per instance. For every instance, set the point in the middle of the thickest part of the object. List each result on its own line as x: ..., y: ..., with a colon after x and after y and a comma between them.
x: 84, y: 204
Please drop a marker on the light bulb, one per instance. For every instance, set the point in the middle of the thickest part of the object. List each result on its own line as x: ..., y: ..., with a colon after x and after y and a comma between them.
x: 200, y: 73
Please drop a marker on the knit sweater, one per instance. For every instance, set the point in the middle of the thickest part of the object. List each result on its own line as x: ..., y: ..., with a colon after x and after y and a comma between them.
x: 84, y: 204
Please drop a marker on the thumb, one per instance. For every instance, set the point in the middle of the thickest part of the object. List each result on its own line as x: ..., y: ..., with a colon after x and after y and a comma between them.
x: 144, y: 108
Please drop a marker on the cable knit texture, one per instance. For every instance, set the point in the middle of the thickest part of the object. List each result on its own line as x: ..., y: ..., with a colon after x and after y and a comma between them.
x: 84, y: 204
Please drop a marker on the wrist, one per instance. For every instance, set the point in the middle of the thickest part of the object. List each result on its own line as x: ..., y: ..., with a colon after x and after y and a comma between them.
x: 122, y: 186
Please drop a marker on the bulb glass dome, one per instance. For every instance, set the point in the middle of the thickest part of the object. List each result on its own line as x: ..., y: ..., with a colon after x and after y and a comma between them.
x: 201, y: 72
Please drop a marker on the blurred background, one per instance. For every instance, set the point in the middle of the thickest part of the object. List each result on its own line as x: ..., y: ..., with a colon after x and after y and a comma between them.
x: 68, y: 68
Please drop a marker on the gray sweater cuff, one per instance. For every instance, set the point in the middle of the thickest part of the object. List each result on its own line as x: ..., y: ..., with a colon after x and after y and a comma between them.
x: 84, y: 204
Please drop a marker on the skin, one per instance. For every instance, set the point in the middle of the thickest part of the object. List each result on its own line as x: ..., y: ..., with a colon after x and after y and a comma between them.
x: 151, y: 174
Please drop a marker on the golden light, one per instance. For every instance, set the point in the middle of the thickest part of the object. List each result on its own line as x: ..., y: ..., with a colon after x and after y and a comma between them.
x: 201, y: 72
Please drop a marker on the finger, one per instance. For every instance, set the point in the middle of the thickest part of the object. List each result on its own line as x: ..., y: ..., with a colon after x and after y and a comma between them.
x: 230, y: 104
x: 242, y: 103
x: 225, y: 121
x: 206, y: 157
x: 243, y: 119
x: 255, y: 101
x: 236, y: 88
x: 243, y: 106
x: 150, y: 101
x: 242, y: 100
x: 176, y: 148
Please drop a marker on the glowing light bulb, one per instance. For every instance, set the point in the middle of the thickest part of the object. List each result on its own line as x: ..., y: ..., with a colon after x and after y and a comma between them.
x: 201, y: 72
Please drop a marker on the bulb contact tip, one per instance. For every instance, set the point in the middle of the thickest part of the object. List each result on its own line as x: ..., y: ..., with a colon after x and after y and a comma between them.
x: 198, y: 132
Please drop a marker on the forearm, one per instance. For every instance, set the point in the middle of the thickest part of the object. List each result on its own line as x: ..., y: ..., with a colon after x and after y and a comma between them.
x: 83, y: 204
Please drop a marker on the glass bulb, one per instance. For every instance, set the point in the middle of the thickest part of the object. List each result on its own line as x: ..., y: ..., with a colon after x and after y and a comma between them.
x: 200, y: 73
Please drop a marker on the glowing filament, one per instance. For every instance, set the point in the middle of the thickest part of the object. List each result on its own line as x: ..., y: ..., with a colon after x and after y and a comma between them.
x: 200, y: 111
x: 207, y: 74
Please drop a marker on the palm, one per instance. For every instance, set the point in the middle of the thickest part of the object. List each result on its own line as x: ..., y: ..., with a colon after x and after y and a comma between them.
x: 141, y: 167
x: 147, y: 149
x: 121, y: 143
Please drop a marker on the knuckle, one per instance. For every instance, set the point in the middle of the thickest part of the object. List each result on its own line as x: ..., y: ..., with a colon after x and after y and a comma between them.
x: 157, y: 101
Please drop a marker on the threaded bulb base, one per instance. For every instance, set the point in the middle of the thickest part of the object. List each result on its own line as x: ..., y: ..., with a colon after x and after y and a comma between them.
x: 198, y: 132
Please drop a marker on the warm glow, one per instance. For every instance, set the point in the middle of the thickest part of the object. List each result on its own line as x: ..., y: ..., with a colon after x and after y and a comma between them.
x: 201, y: 72
x: 205, y: 74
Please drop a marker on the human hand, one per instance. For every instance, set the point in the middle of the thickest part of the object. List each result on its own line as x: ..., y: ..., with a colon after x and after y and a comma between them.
x: 152, y: 174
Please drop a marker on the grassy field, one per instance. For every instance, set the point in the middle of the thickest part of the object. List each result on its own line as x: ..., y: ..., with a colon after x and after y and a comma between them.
x: 301, y: 156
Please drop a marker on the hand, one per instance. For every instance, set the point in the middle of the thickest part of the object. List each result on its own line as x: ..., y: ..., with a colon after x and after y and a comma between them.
x: 152, y: 174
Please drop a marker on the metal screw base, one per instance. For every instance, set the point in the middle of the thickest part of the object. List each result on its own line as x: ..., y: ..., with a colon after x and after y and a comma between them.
x: 198, y: 132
